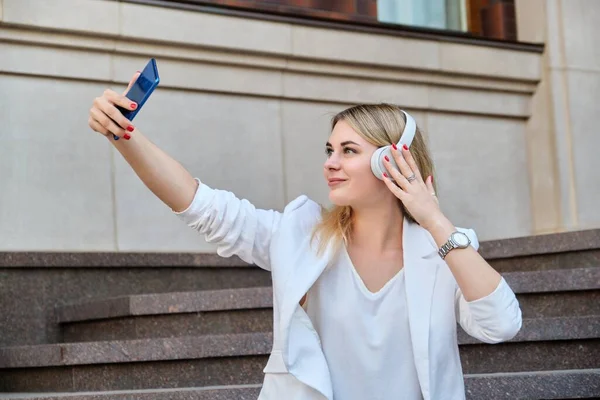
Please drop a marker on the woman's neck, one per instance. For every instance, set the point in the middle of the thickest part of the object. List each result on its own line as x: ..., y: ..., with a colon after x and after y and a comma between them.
x: 378, y: 228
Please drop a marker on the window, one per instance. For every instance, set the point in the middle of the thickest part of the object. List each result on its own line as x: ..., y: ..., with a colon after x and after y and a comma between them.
x: 440, y: 14
x: 489, y: 18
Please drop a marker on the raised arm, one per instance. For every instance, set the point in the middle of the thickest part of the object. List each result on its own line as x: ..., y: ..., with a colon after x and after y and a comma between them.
x: 164, y: 176
x: 235, y: 225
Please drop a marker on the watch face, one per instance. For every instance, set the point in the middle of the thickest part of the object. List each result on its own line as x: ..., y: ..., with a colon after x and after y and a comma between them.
x: 461, y: 239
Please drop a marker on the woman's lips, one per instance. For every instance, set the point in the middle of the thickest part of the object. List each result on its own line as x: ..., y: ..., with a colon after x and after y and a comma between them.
x: 335, y: 182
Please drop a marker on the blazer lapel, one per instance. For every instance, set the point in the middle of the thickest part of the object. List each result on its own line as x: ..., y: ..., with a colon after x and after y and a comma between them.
x: 420, y: 264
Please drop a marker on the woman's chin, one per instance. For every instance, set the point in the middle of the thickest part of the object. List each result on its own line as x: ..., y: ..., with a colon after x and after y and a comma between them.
x: 338, y: 199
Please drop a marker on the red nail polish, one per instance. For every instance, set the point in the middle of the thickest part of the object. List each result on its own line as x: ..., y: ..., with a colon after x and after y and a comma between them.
x: 432, y: 179
x: 405, y: 147
x: 394, y: 146
x: 385, y: 174
x: 133, y: 106
x: 386, y: 158
x: 130, y: 128
x: 127, y: 136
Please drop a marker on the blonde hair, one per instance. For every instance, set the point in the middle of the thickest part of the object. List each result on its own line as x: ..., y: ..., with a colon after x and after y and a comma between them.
x: 380, y: 125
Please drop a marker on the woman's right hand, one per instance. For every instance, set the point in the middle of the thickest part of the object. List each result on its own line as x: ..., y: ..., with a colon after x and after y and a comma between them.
x: 106, y: 119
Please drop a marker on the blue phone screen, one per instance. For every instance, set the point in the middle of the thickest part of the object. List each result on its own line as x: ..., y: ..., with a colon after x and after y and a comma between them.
x: 141, y: 90
x: 138, y: 93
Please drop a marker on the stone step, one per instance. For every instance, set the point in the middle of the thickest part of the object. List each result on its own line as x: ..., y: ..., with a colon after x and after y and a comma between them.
x: 566, y: 384
x: 542, y: 345
x: 541, y: 294
x: 168, y: 315
x: 544, y: 252
x: 232, y: 392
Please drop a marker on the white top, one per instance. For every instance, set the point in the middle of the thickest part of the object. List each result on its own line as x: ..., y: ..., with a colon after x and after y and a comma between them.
x: 365, y: 336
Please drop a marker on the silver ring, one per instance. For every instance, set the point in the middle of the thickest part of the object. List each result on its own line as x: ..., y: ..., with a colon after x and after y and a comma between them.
x: 433, y: 194
x: 411, y: 178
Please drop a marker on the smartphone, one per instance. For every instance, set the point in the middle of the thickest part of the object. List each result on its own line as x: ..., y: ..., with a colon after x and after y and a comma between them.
x: 141, y: 90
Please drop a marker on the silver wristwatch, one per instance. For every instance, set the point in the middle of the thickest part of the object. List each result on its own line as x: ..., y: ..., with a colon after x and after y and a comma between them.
x: 458, y: 240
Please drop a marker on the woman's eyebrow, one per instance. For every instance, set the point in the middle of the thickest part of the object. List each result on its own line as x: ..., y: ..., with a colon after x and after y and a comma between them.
x: 343, y: 143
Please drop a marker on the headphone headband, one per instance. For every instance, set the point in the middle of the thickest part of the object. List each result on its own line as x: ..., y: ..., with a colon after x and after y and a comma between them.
x: 410, y: 130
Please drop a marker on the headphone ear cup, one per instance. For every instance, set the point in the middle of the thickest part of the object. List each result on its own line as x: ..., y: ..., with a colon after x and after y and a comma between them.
x: 377, y: 166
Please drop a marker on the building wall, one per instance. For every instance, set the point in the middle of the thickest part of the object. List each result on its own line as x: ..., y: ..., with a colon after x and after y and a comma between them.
x: 244, y: 112
x: 563, y: 129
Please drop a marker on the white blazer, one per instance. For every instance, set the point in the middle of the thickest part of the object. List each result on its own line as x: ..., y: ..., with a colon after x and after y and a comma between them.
x: 280, y: 242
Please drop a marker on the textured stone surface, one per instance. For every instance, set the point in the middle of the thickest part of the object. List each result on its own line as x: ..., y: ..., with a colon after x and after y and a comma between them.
x: 142, y: 375
x: 29, y: 296
x: 547, y: 262
x: 136, y: 350
x: 560, y: 304
x: 534, y: 385
x: 112, y: 259
x: 530, y: 356
x: 538, y: 245
x: 233, y: 392
x: 554, y: 281
x: 170, y: 325
x: 168, y: 303
x: 541, y: 244
x: 545, y: 329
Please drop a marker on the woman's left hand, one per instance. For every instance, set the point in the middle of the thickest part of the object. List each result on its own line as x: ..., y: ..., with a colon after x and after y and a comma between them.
x: 418, y: 196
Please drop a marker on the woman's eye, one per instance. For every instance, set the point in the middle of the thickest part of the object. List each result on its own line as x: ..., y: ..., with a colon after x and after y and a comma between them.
x: 349, y: 150
x: 328, y: 151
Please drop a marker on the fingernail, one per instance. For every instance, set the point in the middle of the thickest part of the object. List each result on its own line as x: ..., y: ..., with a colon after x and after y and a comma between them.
x: 130, y: 128
x: 127, y: 136
x: 385, y: 174
x: 386, y: 158
x: 133, y: 106
x: 405, y: 147
x: 394, y: 146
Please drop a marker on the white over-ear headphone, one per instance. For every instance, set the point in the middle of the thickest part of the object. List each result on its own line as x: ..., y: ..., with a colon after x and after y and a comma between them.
x: 407, y: 137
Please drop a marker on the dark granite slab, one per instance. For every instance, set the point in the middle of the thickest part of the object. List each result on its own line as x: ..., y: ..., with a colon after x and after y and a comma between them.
x: 524, y: 385
x: 129, y: 351
x: 504, y: 248
x: 554, y: 280
x: 140, y: 375
x: 116, y: 259
x: 170, y: 325
x: 29, y: 296
x: 233, y: 392
x: 553, y: 355
x: 168, y: 303
x: 560, y: 304
x: 574, y: 384
x: 545, y: 329
x: 541, y: 244
x: 261, y: 297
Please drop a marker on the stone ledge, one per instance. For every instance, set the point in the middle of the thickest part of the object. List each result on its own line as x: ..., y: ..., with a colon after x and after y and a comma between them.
x: 167, y: 303
x: 112, y: 259
x: 233, y: 392
x: 559, y: 280
x: 541, y: 244
x: 160, y: 349
x: 534, y: 385
x: 544, y: 329
x: 248, y: 344
x: 262, y: 297
x: 500, y: 386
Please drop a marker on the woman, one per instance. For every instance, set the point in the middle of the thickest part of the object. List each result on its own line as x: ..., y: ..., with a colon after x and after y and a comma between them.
x: 366, y: 296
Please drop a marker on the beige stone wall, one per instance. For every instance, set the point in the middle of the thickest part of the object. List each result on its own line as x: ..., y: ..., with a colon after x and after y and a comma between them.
x: 245, y: 105
x: 563, y: 130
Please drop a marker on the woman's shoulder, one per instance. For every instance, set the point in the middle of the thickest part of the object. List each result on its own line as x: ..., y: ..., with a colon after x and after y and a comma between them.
x: 303, y: 210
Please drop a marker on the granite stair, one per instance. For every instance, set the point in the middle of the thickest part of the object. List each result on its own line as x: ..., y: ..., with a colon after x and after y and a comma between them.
x: 198, y: 340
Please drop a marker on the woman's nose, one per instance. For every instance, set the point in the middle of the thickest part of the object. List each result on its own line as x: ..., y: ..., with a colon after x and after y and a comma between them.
x: 332, y: 162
